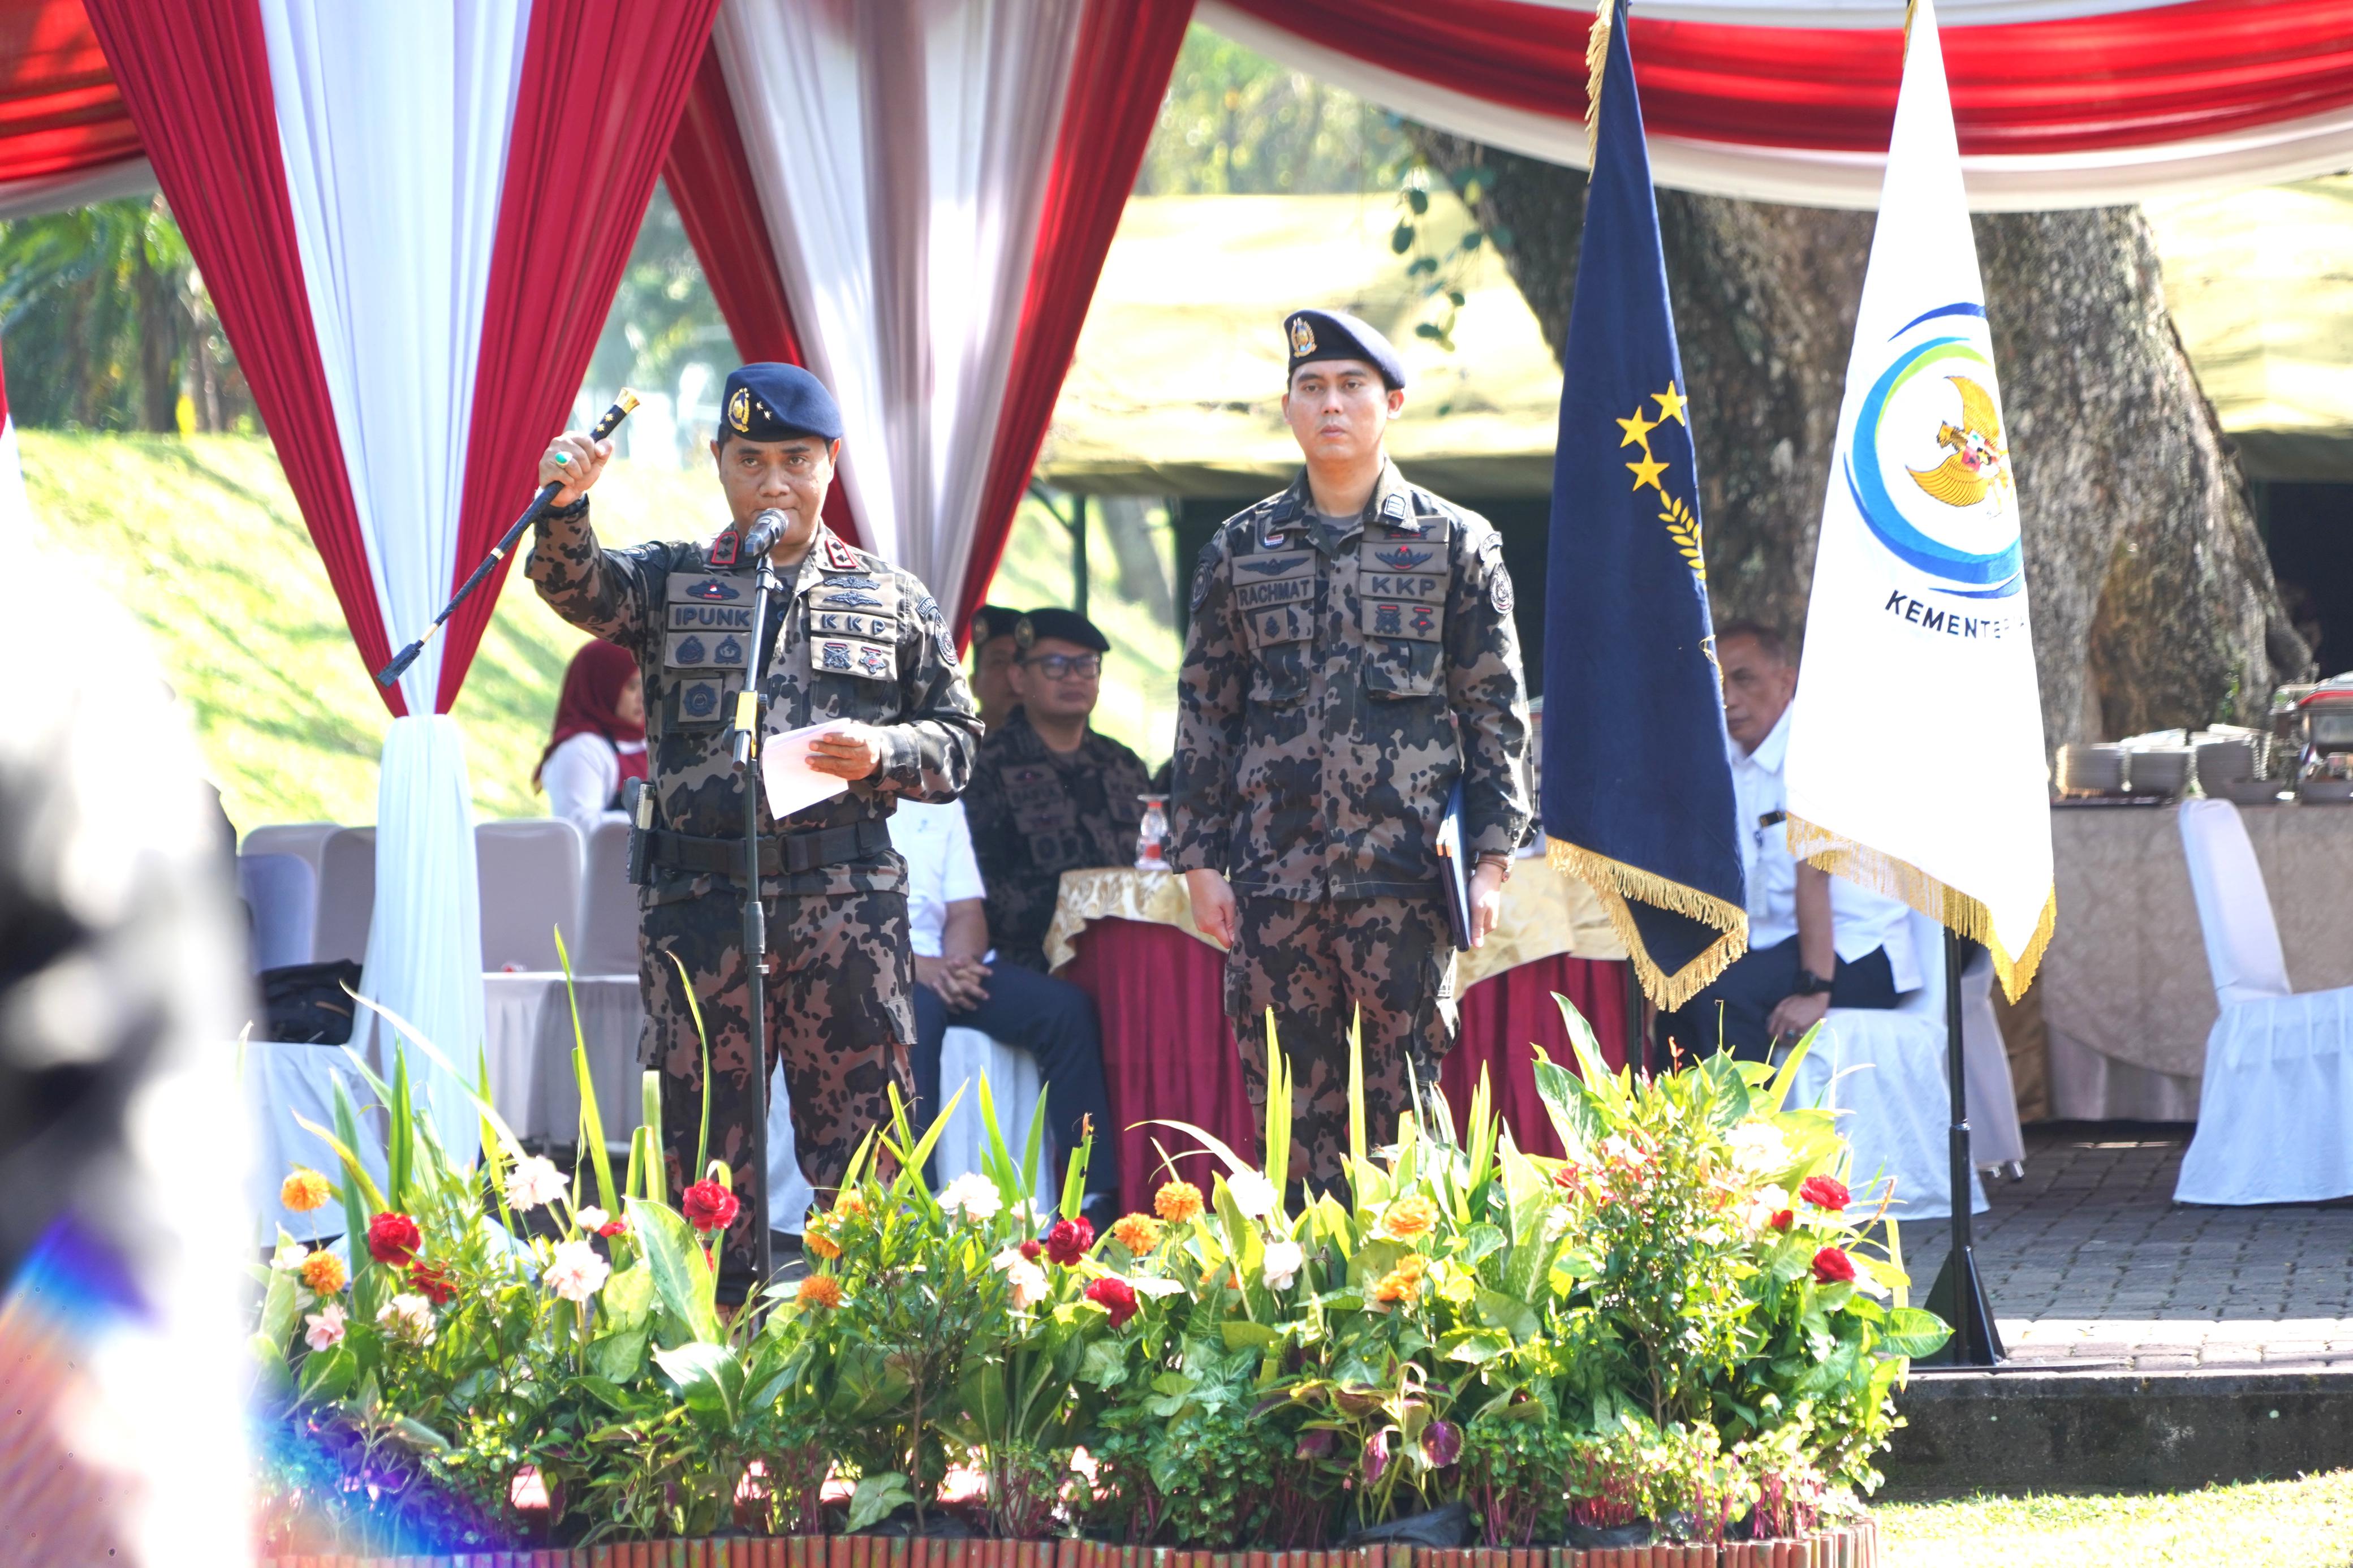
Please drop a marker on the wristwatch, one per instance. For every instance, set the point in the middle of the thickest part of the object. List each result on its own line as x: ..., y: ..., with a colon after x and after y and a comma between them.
x: 1810, y: 984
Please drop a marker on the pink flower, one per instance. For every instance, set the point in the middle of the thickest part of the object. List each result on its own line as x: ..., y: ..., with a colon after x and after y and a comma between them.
x: 576, y: 1272
x: 326, y: 1328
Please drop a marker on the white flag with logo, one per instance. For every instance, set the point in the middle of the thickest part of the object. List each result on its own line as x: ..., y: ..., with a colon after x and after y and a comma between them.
x: 1916, y: 762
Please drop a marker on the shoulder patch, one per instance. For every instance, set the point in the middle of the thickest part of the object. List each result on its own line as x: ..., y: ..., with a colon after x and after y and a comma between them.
x: 1201, y: 576
x: 927, y: 610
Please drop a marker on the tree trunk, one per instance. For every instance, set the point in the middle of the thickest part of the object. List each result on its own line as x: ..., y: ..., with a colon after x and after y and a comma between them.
x: 158, y: 324
x: 2152, y: 597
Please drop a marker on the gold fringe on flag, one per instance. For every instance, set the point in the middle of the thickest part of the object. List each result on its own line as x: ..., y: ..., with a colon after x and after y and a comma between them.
x: 1596, y: 60
x: 1614, y: 882
x: 1941, y: 902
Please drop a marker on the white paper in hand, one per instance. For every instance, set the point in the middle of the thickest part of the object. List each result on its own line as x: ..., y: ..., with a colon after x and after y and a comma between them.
x: 792, y: 785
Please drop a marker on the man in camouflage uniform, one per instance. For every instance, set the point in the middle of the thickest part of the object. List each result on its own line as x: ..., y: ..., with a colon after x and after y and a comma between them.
x: 1048, y: 793
x: 850, y: 637
x: 1351, y: 657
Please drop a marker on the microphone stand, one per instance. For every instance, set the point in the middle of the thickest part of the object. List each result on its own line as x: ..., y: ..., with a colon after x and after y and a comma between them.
x: 755, y: 920
x: 621, y: 409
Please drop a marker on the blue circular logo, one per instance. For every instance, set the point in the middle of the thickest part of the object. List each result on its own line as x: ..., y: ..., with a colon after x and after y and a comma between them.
x: 1970, y: 485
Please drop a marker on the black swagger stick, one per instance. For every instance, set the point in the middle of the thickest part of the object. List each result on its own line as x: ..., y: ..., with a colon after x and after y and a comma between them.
x: 622, y: 407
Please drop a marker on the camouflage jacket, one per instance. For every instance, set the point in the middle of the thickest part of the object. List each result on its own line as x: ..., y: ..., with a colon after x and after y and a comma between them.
x: 1334, y: 690
x: 856, y: 638
x: 1036, y: 813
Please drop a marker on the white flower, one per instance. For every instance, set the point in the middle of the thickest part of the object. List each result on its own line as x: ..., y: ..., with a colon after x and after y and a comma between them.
x: 1283, y: 1262
x: 1153, y: 1285
x: 1252, y: 1193
x: 326, y: 1327
x: 288, y: 1256
x: 973, y: 1196
x: 533, y: 1182
x: 1763, y: 1205
x: 577, y: 1272
x: 1757, y: 1149
x: 408, y: 1318
x: 1029, y: 1281
x: 591, y: 1219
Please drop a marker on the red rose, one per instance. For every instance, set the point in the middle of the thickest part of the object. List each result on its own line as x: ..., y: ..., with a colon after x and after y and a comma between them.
x: 1832, y: 1267
x: 1824, y: 1193
x: 394, y: 1238
x: 1114, y: 1294
x: 1069, y: 1240
x: 709, y: 1206
x: 1783, y: 1220
x: 614, y: 1226
x: 1031, y: 1251
x: 434, y: 1282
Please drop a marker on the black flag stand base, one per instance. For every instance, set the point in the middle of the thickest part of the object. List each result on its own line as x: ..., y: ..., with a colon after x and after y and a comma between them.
x: 1959, y: 1294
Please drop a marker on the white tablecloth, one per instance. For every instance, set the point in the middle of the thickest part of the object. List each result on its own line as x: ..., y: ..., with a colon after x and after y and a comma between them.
x: 528, y: 1043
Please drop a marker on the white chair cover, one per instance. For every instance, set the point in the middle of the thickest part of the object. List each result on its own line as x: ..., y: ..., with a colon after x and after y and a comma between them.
x: 529, y: 875
x: 283, y: 892
x: 1995, y: 1137
x: 609, y: 906
x: 966, y: 1056
x: 527, y: 1042
x: 1887, y: 1070
x: 284, y: 1082
x: 2275, y: 1109
x: 347, y: 894
x: 789, y: 1193
x: 307, y: 840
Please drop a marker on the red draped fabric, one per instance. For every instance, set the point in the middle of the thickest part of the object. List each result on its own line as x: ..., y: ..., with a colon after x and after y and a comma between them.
x: 196, y: 75
x: 60, y: 112
x: 601, y: 89
x: 710, y: 179
x: 2128, y: 78
x: 1506, y: 1016
x: 1119, y: 71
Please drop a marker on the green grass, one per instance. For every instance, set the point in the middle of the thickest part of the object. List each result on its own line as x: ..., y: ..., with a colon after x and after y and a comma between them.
x: 200, y: 538
x: 2304, y: 1523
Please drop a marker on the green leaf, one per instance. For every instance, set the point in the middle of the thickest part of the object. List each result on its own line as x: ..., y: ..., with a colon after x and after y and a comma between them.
x: 1910, y: 1332
x: 328, y: 1375
x: 1474, y: 1345
x: 279, y: 1312
x: 1418, y: 199
x: 1240, y: 1333
x: 420, y: 1435
x: 620, y: 1357
x: 1509, y: 1313
x: 627, y: 1294
x: 876, y: 1498
x: 681, y: 1273
x: 1401, y: 239
x: 592, y: 1116
x: 710, y: 1378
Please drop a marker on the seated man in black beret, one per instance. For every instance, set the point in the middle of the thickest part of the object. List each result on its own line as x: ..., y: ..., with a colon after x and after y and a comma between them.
x: 992, y: 653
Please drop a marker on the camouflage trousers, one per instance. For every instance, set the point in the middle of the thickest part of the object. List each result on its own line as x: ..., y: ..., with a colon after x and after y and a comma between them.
x: 839, y: 1021
x: 1320, y: 963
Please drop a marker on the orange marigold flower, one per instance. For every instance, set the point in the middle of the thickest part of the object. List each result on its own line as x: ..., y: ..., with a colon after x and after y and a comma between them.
x: 819, y: 1291
x: 324, y: 1271
x: 1409, y: 1217
x: 304, y: 1190
x: 851, y: 1205
x: 1139, y: 1233
x: 1399, y: 1283
x: 817, y: 1244
x: 1177, y: 1202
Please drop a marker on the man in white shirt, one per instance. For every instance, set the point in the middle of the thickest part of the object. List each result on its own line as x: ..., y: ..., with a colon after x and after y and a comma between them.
x: 1815, y: 942
x: 1054, y: 1021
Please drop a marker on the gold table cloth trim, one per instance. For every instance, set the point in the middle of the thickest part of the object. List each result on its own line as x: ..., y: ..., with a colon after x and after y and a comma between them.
x: 1545, y: 913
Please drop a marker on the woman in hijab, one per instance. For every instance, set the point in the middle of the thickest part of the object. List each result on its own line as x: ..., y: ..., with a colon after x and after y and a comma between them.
x: 599, y: 741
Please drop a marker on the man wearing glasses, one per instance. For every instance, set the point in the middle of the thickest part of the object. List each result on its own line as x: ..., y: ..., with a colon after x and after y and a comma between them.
x: 1049, y: 794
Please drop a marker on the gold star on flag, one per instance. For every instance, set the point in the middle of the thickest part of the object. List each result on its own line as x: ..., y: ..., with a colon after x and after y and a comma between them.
x: 1671, y: 406
x: 1647, y: 472
x: 1637, y: 430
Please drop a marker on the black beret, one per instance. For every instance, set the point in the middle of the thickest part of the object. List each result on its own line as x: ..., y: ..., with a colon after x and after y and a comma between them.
x: 768, y: 401
x: 992, y: 621
x: 1069, y: 626
x: 1335, y: 334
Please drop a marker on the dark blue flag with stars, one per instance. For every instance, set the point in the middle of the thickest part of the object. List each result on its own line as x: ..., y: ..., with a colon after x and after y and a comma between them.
x: 1638, y: 797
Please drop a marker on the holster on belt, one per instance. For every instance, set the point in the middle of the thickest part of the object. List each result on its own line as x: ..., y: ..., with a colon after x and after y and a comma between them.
x: 638, y: 802
x: 780, y: 855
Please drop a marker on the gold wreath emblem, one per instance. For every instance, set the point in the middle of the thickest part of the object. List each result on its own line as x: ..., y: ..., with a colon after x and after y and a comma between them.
x: 739, y: 411
x: 1302, y: 337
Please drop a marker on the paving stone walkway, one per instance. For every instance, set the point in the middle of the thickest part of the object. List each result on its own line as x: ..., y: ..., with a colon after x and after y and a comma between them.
x: 2090, y: 1260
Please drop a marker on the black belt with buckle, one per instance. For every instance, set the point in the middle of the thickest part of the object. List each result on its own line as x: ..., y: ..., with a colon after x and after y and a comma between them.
x: 779, y: 856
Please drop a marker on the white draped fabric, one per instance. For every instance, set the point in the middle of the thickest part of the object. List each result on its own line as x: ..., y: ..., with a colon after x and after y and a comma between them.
x: 393, y: 124
x: 901, y: 150
x: 2271, y: 153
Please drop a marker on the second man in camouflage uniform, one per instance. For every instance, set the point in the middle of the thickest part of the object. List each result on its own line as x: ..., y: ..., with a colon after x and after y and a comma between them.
x: 1351, y: 656
x: 851, y: 638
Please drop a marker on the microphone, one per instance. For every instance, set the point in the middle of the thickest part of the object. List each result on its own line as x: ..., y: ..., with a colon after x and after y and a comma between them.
x: 765, y: 529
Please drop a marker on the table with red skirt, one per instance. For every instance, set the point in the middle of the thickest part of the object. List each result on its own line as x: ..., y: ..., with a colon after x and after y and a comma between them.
x: 1127, y: 939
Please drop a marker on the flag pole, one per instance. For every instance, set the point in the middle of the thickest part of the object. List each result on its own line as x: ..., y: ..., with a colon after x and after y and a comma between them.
x: 1958, y: 1296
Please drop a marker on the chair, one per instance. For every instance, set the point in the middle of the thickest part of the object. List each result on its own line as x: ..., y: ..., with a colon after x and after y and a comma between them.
x: 282, y: 891
x: 966, y: 1054
x: 305, y: 840
x: 609, y: 905
x: 529, y: 874
x: 346, y: 896
x: 2276, y: 1107
x: 1886, y: 1069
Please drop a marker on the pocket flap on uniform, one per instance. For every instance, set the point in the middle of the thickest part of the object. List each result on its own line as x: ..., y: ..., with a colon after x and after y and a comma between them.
x: 1401, y: 668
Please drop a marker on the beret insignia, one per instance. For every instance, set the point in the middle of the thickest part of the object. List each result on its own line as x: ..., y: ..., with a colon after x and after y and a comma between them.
x: 1303, y: 336
x: 739, y: 410
x: 1024, y: 634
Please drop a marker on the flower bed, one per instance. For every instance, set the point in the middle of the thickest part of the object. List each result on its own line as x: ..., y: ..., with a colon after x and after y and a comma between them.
x: 1677, y: 1329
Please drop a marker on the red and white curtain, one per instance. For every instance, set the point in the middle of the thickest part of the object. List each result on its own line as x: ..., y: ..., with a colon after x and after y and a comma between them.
x: 412, y: 221
x: 937, y: 182
x: 2058, y: 102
